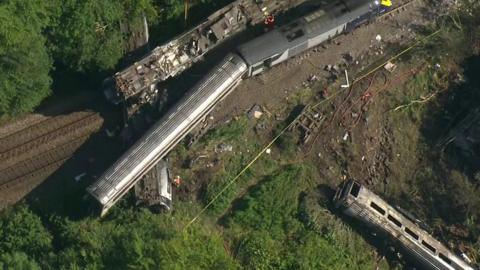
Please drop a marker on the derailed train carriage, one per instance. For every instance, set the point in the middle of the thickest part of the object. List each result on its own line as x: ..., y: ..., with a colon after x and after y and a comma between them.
x: 358, y: 202
x: 249, y: 59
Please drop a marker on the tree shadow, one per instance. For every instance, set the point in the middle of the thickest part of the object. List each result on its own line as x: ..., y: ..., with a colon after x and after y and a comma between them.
x: 450, y: 119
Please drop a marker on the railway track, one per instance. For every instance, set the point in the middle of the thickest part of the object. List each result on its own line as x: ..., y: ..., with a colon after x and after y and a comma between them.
x: 39, y: 129
x: 48, y: 140
x: 32, y: 153
x: 37, y: 163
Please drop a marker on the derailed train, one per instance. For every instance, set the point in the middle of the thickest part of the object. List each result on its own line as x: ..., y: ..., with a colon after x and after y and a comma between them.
x: 357, y: 201
x: 249, y: 59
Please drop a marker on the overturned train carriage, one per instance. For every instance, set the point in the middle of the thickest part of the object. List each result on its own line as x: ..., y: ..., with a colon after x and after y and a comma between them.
x: 167, y: 132
x: 358, y: 202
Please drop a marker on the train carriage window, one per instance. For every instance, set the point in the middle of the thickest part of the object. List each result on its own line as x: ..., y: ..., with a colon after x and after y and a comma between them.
x: 355, y: 190
x: 427, y: 245
x: 377, y: 208
x: 411, y: 233
x: 444, y: 258
x: 257, y: 67
x: 294, y: 35
x: 394, y: 221
x: 269, y: 61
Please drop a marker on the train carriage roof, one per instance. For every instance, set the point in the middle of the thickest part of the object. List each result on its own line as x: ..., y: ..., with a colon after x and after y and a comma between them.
x: 315, y: 24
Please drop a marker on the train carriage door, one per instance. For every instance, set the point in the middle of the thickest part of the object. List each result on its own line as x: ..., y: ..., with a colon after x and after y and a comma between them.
x: 355, y: 189
x: 257, y: 68
x: 267, y: 63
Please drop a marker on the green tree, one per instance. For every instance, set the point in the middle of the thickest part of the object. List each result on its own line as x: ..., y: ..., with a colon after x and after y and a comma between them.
x: 24, y: 61
x: 88, y: 36
x: 22, y: 231
x: 17, y: 261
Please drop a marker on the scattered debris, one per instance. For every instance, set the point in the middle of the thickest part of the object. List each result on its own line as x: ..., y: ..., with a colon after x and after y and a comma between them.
x: 308, y: 123
x: 255, y: 112
x: 378, y: 38
x: 347, y: 85
x: 261, y: 126
x: 312, y: 78
x: 194, y: 160
x: 390, y: 67
x: 223, y: 147
x: 110, y: 134
x: 79, y: 177
x: 348, y: 57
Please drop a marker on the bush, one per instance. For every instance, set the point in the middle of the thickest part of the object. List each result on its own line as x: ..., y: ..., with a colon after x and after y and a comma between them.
x: 22, y: 231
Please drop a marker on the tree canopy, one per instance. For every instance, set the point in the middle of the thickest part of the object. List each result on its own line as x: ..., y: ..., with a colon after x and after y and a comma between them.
x: 24, y: 59
x: 87, y: 35
x: 38, y: 36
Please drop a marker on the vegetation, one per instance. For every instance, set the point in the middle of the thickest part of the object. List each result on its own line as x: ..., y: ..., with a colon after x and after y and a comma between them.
x: 24, y: 59
x: 133, y: 240
x: 275, y: 216
x: 85, y: 39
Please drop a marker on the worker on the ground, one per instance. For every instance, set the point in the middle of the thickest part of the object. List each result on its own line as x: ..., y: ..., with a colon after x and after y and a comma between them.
x: 177, y: 181
x: 383, y: 5
x: 386, y: 3
x: 269, y: 22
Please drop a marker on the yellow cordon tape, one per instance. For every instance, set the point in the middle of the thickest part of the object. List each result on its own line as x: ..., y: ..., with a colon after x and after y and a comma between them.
x: 293, y: 122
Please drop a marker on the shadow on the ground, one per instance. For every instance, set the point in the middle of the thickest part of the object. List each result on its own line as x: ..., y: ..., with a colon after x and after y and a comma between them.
x: 448, y: 112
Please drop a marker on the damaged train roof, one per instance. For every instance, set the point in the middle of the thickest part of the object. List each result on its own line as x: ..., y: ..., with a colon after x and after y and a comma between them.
x: 177, y: 55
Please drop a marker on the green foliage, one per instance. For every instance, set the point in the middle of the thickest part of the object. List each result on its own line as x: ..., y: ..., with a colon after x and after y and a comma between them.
x: 233, y: 132
x: 259, y: 251
x: 83, y: 35
x: 273, y: 203
x: 22, y: 231
x: 24, y: 61
x: 130, y: 240
x: 277, y: 237
x: 87, y: 36
x: 17, y: 261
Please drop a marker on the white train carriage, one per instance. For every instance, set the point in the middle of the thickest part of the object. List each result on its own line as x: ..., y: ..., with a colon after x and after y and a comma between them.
x: 167, y: 132
x: 358, y: 202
